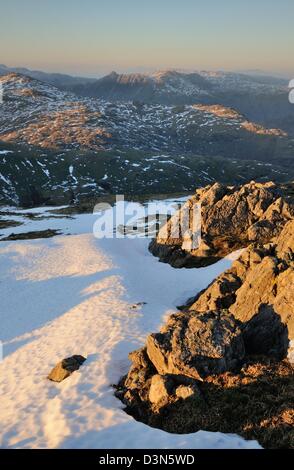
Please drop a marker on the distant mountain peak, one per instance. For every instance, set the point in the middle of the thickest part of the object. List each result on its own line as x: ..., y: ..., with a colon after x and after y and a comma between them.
x: 112, y: 74
x: 125, y: 78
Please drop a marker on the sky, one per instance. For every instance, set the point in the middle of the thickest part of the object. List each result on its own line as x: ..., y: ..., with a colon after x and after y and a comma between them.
x: 93, y: 37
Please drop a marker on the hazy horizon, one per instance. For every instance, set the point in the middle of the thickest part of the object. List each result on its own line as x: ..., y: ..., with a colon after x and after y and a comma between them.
x: 145, y: 70
x: 92, y: 38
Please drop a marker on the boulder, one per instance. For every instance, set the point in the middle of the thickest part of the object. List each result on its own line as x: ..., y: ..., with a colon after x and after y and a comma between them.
x: 197, y: 345
x: 65, y: 368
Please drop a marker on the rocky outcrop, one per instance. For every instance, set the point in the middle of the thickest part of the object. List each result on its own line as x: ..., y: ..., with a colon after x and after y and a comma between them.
x: 189, y: 348
x: 232, y: 217
x: 65, y: 368
x: 49, y: 233
x: 259, y: 291
x: 227, y: 347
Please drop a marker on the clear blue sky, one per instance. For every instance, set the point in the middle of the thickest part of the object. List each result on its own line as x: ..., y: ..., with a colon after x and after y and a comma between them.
x: 91, y: 37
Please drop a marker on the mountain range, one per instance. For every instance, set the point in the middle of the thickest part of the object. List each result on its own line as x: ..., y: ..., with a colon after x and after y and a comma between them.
x: 58, y: 145
x: 261, y: 98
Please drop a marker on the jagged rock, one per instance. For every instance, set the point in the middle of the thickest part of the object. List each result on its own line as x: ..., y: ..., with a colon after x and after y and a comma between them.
x: 139, y: 357
x: 196, y: 345
x: 137, y: 380
x: 231, y: 217
x: 65, y: 368
x: 258, y: 291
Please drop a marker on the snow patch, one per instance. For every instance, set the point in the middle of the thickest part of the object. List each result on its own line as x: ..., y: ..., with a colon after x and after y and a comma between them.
x: 73, y: 295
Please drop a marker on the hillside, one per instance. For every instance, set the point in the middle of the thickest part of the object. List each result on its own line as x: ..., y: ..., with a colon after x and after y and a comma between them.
x: 60, y: 80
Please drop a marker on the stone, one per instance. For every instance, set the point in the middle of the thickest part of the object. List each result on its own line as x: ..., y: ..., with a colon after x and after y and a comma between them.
x: 138, y: 305
x: 185, y: 391
x: 197, y: 345
x: 66, y: 367
x: 139, y: 357
x: 160, y: 389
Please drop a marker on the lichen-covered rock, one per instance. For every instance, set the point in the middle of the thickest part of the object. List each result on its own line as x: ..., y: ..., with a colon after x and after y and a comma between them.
x: 231, y: 217
x: 197, y: 345
x: 65, y: 368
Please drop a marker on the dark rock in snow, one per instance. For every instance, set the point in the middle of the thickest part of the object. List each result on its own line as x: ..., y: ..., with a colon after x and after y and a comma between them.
x: 65, y: 368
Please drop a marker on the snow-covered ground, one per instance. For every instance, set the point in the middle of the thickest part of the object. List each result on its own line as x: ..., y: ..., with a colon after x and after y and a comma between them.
x: 74, y: 294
